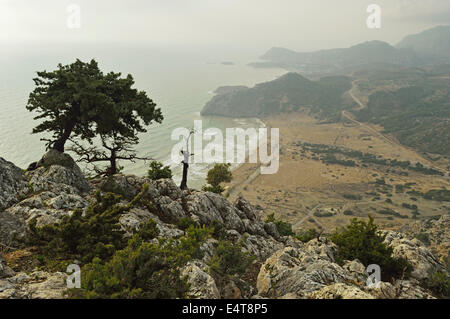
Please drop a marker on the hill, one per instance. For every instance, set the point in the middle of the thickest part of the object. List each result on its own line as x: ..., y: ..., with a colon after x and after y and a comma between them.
x: 288, y: 93
x: 431, y: 43
x: 417, y: 114
x: 332, y: 60
x: 428, y: 47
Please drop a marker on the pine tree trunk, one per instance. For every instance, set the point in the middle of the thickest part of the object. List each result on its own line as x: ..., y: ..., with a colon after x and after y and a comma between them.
x: 59, y: 144
x: 184, y: 179
x: 113, y: 161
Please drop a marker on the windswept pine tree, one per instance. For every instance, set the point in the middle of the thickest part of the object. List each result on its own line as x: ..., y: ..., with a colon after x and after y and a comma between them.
x: 79, y: 102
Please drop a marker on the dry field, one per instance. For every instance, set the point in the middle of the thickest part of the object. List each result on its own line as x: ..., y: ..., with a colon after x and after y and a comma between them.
x: 309, y: 193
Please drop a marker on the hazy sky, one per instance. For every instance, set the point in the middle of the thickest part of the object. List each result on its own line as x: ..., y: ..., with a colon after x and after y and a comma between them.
x: 239, y: 24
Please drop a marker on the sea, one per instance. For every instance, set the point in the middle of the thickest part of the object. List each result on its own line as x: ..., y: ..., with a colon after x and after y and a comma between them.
x: 179, y: 80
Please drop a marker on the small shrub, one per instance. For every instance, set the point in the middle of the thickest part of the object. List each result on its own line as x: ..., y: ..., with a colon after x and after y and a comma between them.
x: 362, y: 241
x: 424, y: 238
x: 229, y: 259
x: 306, y: 236
x: 323, y: 214
x: 214, y: 189
x: 220, y: 173
x: 185, y: 222
x: 143, y: 269
x: 96, y: 234
x: 284, y: 228
x: 157, y: 171
x: 219, y: 230
x: 439, y: 283
x: 352, y: 196
x: 149, y: 230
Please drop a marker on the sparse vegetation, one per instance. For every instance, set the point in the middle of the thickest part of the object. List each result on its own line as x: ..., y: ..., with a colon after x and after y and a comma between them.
x: 362, y: 240
x: 284, y: 228
x: 439, y: 283
x: 220, y: 173
x: 229, y: 259
x: 306, y: 236
x: 94, y: 234
x: 143, y: 269
x: 157, y: 170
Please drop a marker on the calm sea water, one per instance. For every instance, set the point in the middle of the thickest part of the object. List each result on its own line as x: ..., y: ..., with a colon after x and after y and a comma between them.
x: 179, y: 81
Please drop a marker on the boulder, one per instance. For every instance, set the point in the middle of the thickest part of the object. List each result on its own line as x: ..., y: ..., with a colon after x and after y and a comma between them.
x: 424, y: 262
x: 202, y: 285
x: 299, y: 271
x: 47, y: 207
x: 118, y: 184
x: 37, y: 285
x: 133, y: 220
x: 250, y: 211
x: 12, y: 229
x: 13, y: 184
x: 54, y: 157
x: 356, y: 270
x: 170, y: 211
x: 59, y: 179
x: 5, y: 271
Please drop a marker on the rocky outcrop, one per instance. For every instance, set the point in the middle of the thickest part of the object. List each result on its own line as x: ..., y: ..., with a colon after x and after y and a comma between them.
x: 202, y: 285
x: 37, y: 285
x: 340, y: 291
x: 310, y: 271
x: 13, y: 184
x: 12, y: 229
x: 434, y: 233
x: 54, y: 189
x: 300, y: 270
x: 424, y: 262
x: 5, y: 271
x: 289, y: 268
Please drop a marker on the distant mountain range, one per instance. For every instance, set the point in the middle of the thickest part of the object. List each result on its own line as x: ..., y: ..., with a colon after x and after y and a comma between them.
x: 431, y: 43
x: 413, y: 50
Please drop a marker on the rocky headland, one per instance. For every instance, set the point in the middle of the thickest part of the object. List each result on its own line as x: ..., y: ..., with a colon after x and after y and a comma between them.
x: 284, y: 267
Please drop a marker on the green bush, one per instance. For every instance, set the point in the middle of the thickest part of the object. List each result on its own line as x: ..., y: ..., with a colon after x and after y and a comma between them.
x: 143, y: 269
x: 352, y: 196
x: 158, y: 171
x: 149, y: 230
x: 220, y: 173
x: 219, y: 232
x: 306, y: 236
x: 229, y: 259
x: 323, y: 214
x: 362, y: 241
x: 439, y: 283
x: 185, y: 222
x: 96, y: 234
x: 348, y: 212
x: 284, y: 228
x: 424, y: 238
x: 214, y: 189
